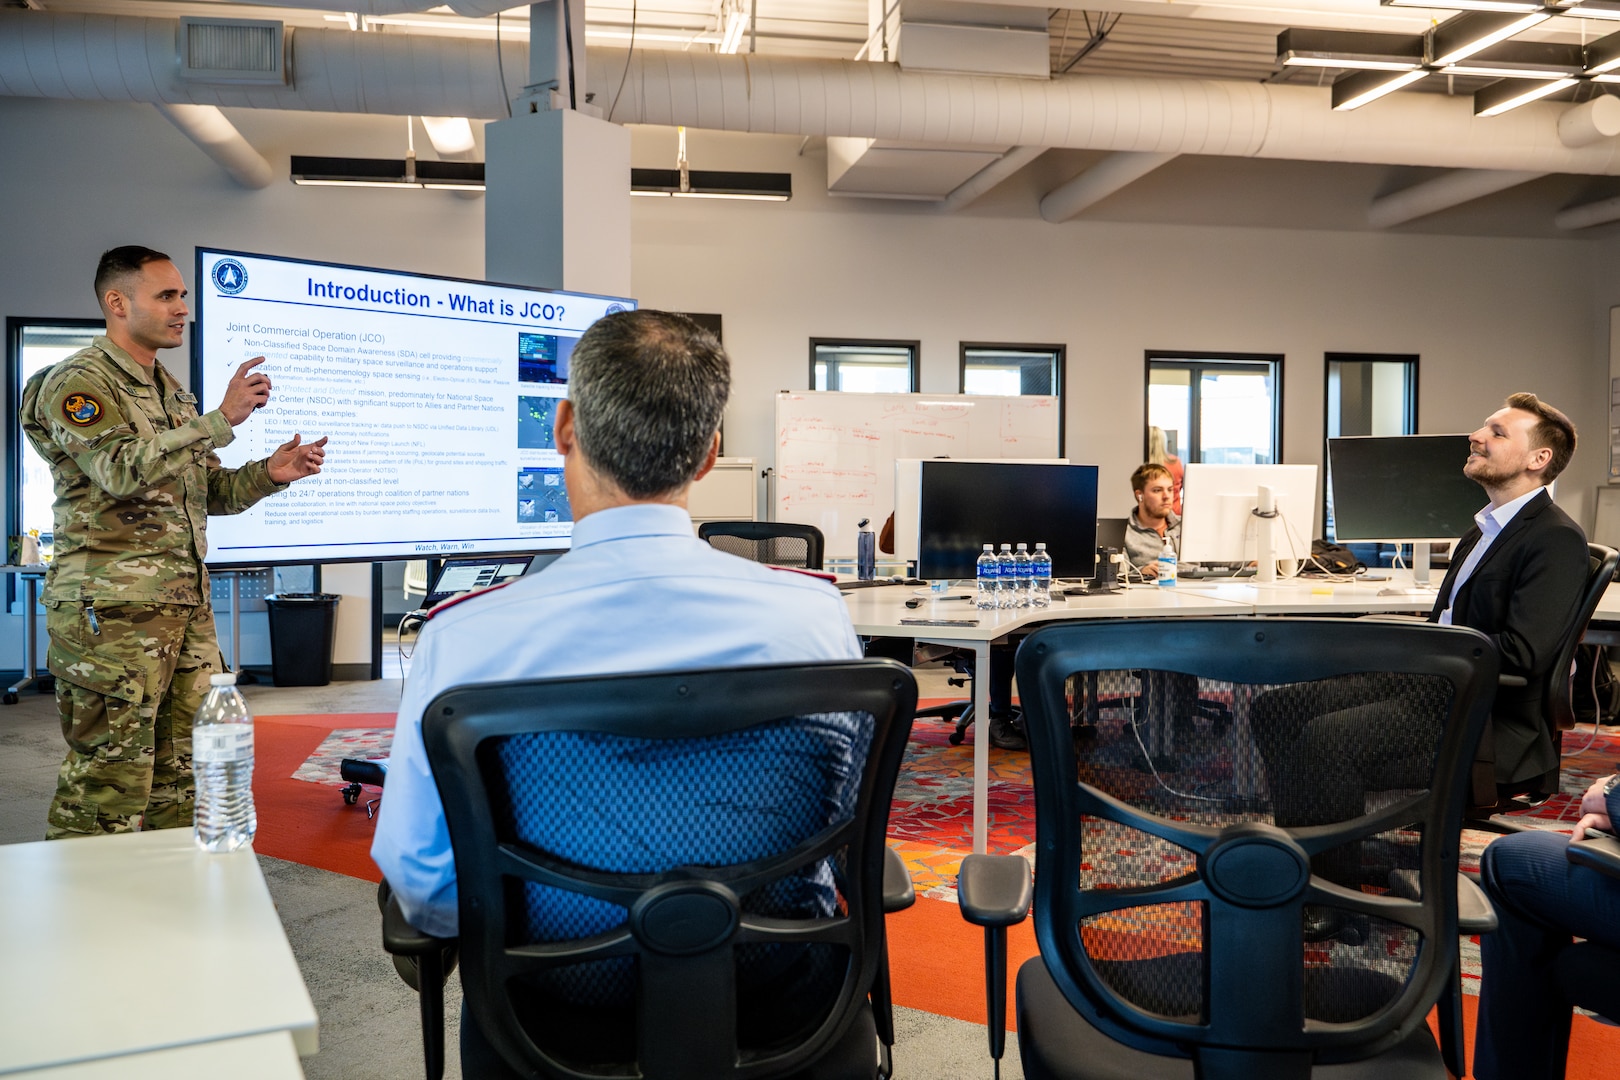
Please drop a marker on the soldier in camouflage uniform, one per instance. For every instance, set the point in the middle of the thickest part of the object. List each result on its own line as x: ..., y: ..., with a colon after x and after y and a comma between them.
x: 127, y: 599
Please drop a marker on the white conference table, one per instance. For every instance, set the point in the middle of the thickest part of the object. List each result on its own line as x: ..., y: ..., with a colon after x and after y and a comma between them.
x: 270, y: 1056
x: 877, y: 612
x: 128, y: 944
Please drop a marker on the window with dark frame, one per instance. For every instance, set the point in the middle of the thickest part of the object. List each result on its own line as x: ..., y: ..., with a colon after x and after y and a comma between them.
x: 1367, y: 394
x: 1218, y: 408
x: 32, y: 344
x: 1014, y: 371
x: 869, y: 367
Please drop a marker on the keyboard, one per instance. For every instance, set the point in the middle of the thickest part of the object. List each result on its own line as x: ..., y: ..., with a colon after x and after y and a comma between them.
x: 1204, y: 573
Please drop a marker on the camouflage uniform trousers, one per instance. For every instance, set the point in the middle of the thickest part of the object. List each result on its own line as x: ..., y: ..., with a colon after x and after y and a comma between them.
x: 126, y: 698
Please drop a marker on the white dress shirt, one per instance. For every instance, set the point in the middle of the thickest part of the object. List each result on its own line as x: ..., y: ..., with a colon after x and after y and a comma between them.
x: 1491, y: 523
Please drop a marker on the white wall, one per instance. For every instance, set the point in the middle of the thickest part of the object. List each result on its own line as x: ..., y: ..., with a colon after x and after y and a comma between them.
x: 1486, y: 316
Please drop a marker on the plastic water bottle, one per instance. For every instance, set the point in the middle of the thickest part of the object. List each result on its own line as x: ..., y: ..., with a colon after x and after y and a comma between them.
x: 865, y: 551
x: 988, y: 571
x: 1006, y: 578
x: 1026, y: 576
x: 222, y: 760
x: 1041, y: 569
x: 1167, y: 565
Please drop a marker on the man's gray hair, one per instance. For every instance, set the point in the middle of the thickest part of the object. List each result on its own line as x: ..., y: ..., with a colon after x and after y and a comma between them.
x: 649, y: 388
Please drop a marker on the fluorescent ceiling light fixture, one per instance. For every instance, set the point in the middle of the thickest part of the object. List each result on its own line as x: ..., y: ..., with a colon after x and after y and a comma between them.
x: 1499, y: 97
x: 713, y: 184
x: 1490, y: 72
x: 1464, y: 35
x: 1595, y: 9
x: 1354, y: 49
x: 1603, y: 55
x: 736, y: 23
x: 1354, y: 91
x: 387, y: 173
x: 1468, y: 5
x: 1615, y: 78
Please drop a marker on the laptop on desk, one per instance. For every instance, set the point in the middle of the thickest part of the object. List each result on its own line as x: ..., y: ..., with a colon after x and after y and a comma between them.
x: 458, y: 576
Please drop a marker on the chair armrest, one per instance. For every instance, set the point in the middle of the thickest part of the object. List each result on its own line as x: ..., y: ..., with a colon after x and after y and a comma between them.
x: 898, y: 893
x: 1599, y: 851
x: 400, y: 938
x: 1475, y: 915
x: 1512, y: 680
x: 994, y: 890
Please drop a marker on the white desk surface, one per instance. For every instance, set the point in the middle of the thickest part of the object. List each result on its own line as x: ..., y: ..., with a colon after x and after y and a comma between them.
x: 1608, y: 609
x: 270, y: 1056
x: 1319, y: 596
x: 878, y: 611
x: 116, y: 945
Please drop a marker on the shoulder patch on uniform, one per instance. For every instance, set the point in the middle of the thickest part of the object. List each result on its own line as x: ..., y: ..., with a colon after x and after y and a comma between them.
x: 819, y: 575
x: 445, y: 605
x: 81, y: 409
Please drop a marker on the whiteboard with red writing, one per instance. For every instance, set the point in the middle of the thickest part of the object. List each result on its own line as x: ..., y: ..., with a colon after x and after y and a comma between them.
x: 835, y: 451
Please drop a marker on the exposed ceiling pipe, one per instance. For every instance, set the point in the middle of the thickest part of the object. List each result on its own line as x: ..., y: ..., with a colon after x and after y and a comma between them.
x: 472, y: 9
x: 1442, y: 193
x: 123, y: 58
x: 988, y: 177
x: 1591, y: 122
x: 218, y: 138
x: 1107, y: 176
x: 1594, y: 213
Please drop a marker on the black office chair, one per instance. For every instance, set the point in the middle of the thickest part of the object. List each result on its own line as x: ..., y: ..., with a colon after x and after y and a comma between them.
x: 670, y: 875
x: 779, y: 543
x: 1557, y: 703
x: 1173, y: 917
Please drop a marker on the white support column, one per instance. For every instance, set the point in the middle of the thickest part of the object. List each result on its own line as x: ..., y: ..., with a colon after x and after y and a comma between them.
x: 217, y: 137
x: 991, y: 175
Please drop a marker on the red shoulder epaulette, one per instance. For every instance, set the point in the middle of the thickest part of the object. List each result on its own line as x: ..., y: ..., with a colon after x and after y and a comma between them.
x: 446, y: 605
x: 819, y: 575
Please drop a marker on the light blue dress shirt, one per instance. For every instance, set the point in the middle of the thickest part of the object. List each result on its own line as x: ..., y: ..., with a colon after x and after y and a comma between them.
x: 1491, y: 523
x: 638, y: 592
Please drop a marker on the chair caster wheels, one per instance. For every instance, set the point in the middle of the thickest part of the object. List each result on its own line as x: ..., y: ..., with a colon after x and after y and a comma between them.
x: 8, y: 698
x: 351, y: 794
x: 954, y: 738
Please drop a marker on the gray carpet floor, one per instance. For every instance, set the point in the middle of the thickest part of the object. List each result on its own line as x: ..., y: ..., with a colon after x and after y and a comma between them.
x: 369, y: 1026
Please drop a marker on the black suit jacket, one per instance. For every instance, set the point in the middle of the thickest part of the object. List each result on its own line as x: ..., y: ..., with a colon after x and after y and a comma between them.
x: 1522, y: 595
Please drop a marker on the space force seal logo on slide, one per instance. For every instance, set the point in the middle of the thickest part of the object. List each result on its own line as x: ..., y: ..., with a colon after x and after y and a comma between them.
x: 81, y: 409
x: 230, y: 276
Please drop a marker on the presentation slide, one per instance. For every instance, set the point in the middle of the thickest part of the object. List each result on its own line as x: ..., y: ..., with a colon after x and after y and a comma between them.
x: 437, y: 394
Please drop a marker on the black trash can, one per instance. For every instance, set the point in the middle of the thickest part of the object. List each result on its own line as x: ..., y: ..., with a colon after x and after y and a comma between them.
x: 302, y: 635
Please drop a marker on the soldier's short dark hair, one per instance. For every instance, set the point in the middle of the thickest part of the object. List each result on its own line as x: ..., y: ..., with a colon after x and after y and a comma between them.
x: 648, y: 390
x: 119, y: 263
x: 1553, y: 430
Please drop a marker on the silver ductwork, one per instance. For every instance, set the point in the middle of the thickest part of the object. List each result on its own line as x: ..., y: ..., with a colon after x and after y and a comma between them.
x: 124, y: 58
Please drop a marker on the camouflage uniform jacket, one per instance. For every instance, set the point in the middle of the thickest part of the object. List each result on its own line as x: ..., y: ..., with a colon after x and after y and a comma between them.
x: 136, y: 478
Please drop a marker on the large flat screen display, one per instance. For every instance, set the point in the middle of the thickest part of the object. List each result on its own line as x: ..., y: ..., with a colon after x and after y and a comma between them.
x: 438, y: 395
x: 964, y: 505
x: 1401, y: 488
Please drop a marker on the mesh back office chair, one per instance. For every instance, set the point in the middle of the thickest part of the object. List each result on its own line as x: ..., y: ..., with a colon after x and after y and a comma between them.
x: 1187, y: 917
x: 779, y: 543
x: 1557, y: 704
x: 671, y: 875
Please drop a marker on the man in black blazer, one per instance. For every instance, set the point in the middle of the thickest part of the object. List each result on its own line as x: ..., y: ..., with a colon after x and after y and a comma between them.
x: 1517, y: 576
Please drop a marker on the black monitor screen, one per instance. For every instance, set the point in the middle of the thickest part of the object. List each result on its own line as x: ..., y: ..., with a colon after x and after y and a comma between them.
x: 967, y: 504
x: 1407, y: 487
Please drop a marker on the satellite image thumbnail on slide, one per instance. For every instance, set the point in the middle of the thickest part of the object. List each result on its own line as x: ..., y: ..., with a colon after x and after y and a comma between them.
x: 535, y: 416
x: 543, y: 358
x: 541, y: 496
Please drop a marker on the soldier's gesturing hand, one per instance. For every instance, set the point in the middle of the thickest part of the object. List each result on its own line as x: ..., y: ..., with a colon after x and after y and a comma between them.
x: 294, y: 459
x: 247, y: 390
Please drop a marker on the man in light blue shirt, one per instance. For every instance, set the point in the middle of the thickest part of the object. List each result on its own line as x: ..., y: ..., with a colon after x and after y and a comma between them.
x: 637, y: 592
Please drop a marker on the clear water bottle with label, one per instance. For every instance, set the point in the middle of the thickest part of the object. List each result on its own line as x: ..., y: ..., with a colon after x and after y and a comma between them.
x: 1040, y: 563
x: 1167, y: 565
x: 222, y: 761
x: 1006, y: 578
x: 1026, y: 576
x: 988, y: 574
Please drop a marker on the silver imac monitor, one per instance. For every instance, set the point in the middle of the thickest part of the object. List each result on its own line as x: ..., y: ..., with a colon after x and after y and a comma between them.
x: 1239, y: 513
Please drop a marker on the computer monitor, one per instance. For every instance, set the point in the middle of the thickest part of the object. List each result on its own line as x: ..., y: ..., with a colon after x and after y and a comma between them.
x: 1399, y: 489
x: 1219, y: 521
x: 908, y: 493
x: 966, y: 504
